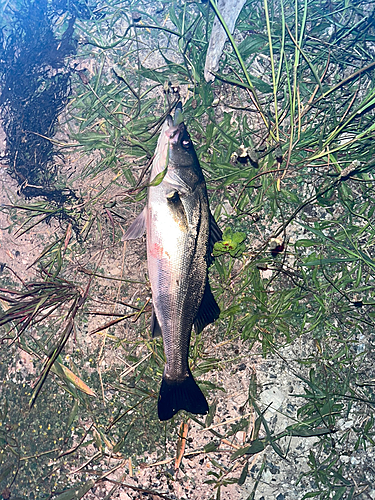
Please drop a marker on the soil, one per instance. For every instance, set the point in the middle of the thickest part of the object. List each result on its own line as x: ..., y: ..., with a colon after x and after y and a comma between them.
x: 278, y: 389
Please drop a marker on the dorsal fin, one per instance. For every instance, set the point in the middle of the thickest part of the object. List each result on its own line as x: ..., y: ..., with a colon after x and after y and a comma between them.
x: 215, y: 235
x: 208, y: 311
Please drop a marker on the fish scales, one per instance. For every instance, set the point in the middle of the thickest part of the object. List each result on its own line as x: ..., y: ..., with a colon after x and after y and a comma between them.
x: 177, y: 266
x: 180, y: 233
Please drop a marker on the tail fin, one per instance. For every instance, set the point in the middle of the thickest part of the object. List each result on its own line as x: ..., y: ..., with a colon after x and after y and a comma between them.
x: 176, y: 395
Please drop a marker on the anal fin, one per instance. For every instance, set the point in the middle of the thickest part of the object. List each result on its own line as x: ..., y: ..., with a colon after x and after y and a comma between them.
x: 155, y: 327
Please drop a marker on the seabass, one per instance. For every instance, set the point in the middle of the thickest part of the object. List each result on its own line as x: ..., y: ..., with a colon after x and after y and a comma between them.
x: 180, y: 233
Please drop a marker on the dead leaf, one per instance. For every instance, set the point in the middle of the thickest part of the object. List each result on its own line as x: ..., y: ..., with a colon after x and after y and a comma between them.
x: 181, y: 443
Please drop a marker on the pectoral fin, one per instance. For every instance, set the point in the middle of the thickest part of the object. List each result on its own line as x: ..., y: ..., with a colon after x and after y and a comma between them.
x: 208, y: 311
x: 137, y: 228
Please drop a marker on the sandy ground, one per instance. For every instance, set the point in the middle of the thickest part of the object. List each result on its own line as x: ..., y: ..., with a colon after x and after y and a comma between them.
x: 278, y: 389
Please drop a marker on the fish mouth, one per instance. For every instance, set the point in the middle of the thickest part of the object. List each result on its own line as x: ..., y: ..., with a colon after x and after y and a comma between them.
x: 170, y: 136
x: 175, y: 132
x: 162, y: 149
x: 176, y: 125
x: 178, y: 114
x: 169, y: 121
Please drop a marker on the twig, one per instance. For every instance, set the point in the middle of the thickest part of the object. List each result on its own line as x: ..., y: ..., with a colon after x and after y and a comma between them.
x: 136, y: 488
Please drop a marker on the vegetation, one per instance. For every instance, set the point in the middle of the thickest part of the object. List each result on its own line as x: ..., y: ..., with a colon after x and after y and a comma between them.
x: 285, y: 136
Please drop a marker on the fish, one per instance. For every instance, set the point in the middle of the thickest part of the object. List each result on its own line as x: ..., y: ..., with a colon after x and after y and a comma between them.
x: 180, y: 234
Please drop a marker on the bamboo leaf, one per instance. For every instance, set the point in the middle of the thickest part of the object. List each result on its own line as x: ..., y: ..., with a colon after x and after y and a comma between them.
x: 255, y: 447
x: 76, y: 493
x: 68, y: 376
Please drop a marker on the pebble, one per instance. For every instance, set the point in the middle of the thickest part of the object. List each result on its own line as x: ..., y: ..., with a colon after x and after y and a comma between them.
x: 273, y: 397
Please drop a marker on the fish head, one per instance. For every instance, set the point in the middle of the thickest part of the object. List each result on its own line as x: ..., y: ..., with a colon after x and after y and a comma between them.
x: 181, y: 149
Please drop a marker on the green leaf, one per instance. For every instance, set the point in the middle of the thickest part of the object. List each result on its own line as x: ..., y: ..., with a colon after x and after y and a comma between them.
x: 250, y: 45
x: 328, y: 261
x: 158, y: 178
x: 328, y: 199
x: 261, y: 85
x: 243, y: 475
x: 306, y: 243
x: 339, y: 493
x: 77, y: 492
x: 5, y: 471
x: 255, y: 447
x: 72, y: 415
x: 211, y: 413
x: 302, y: 431
x: 253, y: 385
x: 68, y: 376
x: 92, y: 140
x: 231, y: 243
x: 173, y: 17
x: 211, y: 446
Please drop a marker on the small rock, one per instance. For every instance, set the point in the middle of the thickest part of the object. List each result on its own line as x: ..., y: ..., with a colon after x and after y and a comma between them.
x: 274, y: 397
x: 136, y: 16
x: 274, y: 469
x: 267, y: 476
x: 241, y: 436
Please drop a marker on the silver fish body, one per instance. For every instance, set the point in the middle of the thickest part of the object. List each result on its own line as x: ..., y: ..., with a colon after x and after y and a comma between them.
x: 180, y: 233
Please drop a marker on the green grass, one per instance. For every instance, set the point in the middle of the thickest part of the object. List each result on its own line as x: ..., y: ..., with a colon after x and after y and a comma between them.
x: 296, y: 87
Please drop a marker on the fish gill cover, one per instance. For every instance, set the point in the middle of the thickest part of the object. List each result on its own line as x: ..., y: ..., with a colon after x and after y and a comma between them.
x: 34, y: 88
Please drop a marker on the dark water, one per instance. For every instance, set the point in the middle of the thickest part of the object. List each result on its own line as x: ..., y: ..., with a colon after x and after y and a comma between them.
x: 35, y: 86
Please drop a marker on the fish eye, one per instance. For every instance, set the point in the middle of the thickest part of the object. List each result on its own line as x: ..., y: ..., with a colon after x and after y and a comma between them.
x: 185, y: 144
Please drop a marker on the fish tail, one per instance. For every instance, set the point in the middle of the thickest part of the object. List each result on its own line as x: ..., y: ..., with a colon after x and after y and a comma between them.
x: 176, y: 395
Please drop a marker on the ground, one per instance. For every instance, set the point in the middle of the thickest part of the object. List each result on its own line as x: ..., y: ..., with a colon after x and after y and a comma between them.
x: 108, y: 443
